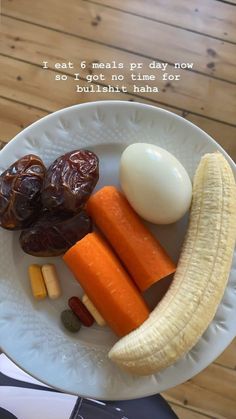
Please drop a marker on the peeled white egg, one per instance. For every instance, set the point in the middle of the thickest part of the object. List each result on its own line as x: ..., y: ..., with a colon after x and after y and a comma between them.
x: 155, y: 183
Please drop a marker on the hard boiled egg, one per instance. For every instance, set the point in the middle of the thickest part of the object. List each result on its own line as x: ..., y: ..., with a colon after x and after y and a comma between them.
x: 155, y: 183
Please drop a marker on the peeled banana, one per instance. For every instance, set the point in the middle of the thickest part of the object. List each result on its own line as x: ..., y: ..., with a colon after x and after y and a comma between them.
x: 190, y: 304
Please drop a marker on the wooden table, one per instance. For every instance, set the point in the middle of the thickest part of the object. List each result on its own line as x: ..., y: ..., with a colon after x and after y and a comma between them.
x: 202, y: 32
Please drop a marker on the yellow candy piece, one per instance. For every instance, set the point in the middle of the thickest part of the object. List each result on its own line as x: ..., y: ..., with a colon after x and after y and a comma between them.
x: 51, y: 281
x: 93, y: 311
x: 37, y: 283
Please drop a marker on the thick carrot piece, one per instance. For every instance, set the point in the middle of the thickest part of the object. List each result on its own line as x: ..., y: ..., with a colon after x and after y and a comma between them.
x: 107, y: 284
x: 143, y: 256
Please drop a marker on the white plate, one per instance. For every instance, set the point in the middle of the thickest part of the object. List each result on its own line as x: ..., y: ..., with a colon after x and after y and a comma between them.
x: 30, y: 332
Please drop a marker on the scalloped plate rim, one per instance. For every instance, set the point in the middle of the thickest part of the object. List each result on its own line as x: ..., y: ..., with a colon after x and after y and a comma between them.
x: 107, y: 103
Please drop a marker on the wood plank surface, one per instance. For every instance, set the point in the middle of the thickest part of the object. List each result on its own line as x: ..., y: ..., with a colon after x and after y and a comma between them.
x: 212, y: 392
x: 14, y: 117
x: 185, y: 413
x: 149, y: 38
x: 224, y: 134
x: 228, y: 357
x: 30, y: 84
x: 197, y: 93
x: 202, y: 16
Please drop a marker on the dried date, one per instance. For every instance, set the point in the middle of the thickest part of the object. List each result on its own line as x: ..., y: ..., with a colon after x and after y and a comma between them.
x: 53, y: 235
x: 70, y: 180
x: 20, y: 187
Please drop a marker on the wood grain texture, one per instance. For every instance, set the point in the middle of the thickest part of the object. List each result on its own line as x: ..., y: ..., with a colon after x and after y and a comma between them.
x: 30, y: 84
x: 228, y: 358
x: 2, y: 144
x: 212, y: 392
x: 185, y: 413
x: 202, y: 16
x: 134, y: 33
x: 14, y: 117
x: 197, y: 93
x: 225, y: 135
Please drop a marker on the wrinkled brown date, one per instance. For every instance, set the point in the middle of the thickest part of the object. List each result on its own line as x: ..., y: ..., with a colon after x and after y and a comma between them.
x: 70, y: 180
x: 20, y: 187
x: 53, y: 235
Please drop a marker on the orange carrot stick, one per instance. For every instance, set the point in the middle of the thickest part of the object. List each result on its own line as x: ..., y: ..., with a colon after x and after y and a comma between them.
x: 143, y: 256
x: 107, y: 284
